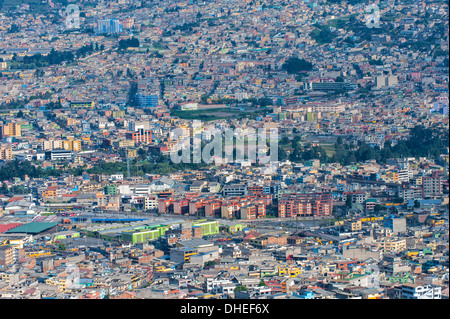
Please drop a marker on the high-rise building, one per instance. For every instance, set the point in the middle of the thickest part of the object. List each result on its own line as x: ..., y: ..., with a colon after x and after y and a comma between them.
x: 431, y: 186
x: 110, y: 26
x: 147, y: 100
x: 73, y: 145
x: 396, y: 224
x: 385, y: 80
x: 10, y: 129
x: 5, y: 152
x: 140, y: 136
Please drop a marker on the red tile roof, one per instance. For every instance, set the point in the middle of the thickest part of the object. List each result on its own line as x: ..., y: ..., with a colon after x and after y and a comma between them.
x: 6, y: 227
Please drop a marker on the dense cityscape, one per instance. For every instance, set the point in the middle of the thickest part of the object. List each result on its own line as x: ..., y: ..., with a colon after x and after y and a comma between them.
x: 224, y: 149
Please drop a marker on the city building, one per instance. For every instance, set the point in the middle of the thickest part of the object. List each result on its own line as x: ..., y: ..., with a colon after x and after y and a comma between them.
x: 109, y: 26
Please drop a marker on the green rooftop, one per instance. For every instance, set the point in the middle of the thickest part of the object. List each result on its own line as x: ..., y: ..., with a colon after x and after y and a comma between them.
x: 32, y: 228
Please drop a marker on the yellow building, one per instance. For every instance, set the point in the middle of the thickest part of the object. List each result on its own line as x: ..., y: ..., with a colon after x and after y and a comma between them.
x: 392, y: 244
x: 435, y: 221
x: 392, y: 176
x: 71, y: 121
x: 89, y: 104
x: 117, y: 114
x: 37, y: 253
x: 72, y: 145
x: 289, y: 271
x: 6, y: 153
x: 124, y: 143
x: 353, y: 225
x: 16, y: 242
x: 128, y: 152
x: 10, y: 129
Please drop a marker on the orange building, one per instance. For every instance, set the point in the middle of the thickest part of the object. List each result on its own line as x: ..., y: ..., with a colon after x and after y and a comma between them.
x: 316, y: 204
x: 140, y: 136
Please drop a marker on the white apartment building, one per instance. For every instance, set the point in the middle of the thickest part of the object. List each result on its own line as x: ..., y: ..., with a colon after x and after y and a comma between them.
x: 413, y: 291
x: 151, y: 202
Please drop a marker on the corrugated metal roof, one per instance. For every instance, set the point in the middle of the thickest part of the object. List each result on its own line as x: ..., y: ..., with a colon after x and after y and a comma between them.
x: 6, y: 227
x: 32, y: 228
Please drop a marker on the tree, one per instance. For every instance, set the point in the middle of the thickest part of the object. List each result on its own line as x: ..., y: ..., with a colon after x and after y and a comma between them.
x: 142, y: 153
x: 296, y: 140
x: 14, y: 28
x: 378, y: 208
x: 349, y: 201
x: 262, y: 283
x: 322, y: 35
x: 282, y: 155
x: 296, y: 155
x: 416, y: 204
x: 240, y: 288
x: 39, y: 73
x: 295, y: 65
x: 132, y: 100
x: 284, y: 140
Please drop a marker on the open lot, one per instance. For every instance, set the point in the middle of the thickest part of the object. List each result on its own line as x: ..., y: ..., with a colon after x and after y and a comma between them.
x: 210, y: 114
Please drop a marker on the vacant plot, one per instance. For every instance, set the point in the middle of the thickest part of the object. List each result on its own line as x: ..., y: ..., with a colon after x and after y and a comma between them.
x: 329, y: 148
x: 209, y: 114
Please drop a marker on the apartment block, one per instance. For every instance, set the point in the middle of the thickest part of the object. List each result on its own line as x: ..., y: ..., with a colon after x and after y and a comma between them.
x: 315, y: 204
x: 10, y: 129
x: 414, y: 291
x: 234, y: 190
x: 6, y: 255
x: 431, y: 186
x: 140, y: 136
x: 6, y: 153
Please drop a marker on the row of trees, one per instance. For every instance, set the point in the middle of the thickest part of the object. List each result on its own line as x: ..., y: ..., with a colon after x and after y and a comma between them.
x: 160, y: 165
x: 20, y: 103
x: 15, y: 168
x: 422, y: 142
x: 55, y: 57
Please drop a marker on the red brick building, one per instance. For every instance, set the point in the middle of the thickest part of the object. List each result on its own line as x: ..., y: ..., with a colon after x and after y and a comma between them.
x: 314, y: 204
